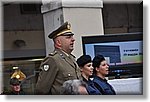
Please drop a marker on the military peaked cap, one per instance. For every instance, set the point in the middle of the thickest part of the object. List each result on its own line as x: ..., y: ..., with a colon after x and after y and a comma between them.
x: 62, y: 30
x: 14, y: 81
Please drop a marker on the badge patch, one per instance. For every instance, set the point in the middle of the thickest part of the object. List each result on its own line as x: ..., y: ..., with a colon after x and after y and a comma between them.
x: 46, y: 67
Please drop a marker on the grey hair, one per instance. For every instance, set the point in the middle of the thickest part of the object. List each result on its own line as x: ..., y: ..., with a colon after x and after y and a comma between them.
x: 70, y: 87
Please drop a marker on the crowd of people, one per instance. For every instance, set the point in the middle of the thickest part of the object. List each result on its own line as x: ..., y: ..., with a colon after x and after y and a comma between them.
x: 61, y: 74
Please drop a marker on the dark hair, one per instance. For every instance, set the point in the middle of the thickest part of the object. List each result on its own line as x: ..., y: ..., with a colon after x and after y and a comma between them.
x: 97, y: 61
x: 84, y: 59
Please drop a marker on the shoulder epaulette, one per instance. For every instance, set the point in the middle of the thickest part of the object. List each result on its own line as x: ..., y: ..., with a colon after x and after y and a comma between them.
x: 53, y: 53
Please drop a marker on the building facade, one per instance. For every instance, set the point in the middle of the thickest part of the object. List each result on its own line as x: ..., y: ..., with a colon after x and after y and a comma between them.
x: 24, y: 42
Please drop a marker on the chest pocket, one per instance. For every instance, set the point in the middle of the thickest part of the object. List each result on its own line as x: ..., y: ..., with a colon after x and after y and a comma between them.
x: 69, y: 75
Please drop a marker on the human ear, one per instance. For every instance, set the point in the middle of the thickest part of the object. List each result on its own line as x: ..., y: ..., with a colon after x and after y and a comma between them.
x: 97, y: 69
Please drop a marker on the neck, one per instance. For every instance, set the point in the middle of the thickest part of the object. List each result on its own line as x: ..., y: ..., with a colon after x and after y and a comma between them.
x: 85, y: 76
x: 68, y: 52
x: 16, y: 92
x: 101, y: 76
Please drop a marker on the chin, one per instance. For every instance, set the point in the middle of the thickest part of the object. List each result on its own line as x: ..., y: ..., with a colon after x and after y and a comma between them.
x: 71, y: 49
x: 107, y: 73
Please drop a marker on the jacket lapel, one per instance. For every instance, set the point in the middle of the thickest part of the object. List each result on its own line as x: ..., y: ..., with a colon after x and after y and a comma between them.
x: 68, y: 59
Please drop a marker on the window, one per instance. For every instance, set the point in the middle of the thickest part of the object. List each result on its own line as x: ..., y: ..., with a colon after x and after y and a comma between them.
x: 30, y: 8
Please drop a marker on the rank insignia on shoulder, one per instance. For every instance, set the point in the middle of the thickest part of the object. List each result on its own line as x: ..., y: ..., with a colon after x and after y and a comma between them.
x: 46, y: 67
x: 53, y: 53
x: 62, y: 56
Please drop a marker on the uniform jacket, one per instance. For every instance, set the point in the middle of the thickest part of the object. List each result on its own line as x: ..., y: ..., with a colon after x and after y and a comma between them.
x: 56, y: 69
x: 92, y: 90
x: 104, y: 87
x: 13, y: 93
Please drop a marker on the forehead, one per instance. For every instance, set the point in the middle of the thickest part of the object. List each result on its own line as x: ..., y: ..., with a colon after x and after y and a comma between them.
x: 90, y: 63
x: 103, y: 62
x: 64, y: 36
x: 67, y: 35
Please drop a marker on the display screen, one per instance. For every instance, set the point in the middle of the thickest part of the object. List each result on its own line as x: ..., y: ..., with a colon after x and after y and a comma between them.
x: 121, y: 51
x: 117, y: 53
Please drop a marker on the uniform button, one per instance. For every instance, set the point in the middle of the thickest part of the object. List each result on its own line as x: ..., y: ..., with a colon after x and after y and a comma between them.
x: 69, y: 74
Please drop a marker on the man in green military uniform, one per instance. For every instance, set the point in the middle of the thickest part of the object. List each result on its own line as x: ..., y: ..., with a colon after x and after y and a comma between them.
x: 60, y: 65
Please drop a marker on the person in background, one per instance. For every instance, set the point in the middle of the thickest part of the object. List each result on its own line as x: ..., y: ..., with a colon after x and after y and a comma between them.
x: 101, y: 69
x: 74, y: 87
x: 15, y: 88
x: 60, y: 65
x: 85, y: 64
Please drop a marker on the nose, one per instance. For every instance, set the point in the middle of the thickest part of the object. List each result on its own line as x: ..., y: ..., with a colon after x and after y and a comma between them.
x: 107, y: 66
x: 73, y: 39
x: 92, y: 67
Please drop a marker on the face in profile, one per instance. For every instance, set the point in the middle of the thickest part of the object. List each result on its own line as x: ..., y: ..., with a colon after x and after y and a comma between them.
x: 16, y: 87
x: 103, y: 68
x: 67, y: 43
x: 87, y: 69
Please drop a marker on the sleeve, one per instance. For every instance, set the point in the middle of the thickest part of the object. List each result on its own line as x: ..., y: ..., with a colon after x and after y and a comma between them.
x: 46, y: 77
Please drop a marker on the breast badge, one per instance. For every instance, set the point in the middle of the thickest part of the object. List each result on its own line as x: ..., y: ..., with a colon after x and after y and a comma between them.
x: 46, y: 67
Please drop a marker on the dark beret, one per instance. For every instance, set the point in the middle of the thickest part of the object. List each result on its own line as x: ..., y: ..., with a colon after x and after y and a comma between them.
x: 97, y: 60
x: 84, y: 59
x: 14, y: 81
x: 64, y: 29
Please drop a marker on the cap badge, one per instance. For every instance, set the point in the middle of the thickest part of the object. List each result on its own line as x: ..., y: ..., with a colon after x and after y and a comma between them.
x: 46, y: 67
x: 68, y: 26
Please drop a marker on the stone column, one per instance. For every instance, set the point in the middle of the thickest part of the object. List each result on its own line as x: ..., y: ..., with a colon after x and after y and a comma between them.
x: 1, y: 51
x: 85, y: 17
